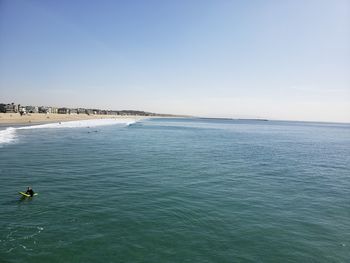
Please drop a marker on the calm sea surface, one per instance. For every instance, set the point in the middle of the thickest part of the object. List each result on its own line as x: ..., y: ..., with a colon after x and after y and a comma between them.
x: 177, y: 190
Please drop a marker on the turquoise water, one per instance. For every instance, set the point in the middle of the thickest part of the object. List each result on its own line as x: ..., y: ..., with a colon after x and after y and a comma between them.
x: 177, y: 190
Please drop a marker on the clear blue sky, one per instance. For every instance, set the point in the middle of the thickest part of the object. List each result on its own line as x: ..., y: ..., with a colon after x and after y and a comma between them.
x: 268, y: 59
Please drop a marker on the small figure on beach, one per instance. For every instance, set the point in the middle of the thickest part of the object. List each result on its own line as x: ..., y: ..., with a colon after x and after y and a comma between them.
x: 30, y: 191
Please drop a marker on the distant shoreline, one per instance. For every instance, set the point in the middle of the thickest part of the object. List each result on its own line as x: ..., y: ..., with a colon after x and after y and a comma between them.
x: 274, y: 120
x: 39, y: 118
x: 232, y: 119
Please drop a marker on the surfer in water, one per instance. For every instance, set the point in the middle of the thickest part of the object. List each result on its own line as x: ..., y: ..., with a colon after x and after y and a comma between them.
x: 30, y: 191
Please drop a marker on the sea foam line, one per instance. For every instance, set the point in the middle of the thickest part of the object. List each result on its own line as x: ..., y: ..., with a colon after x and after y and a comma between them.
x: 9, y: 134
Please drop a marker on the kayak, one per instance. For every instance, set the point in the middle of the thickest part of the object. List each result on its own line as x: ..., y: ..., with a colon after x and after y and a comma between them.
x: 27, y: 195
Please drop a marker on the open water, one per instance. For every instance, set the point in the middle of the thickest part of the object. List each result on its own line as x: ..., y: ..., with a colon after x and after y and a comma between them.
x: 176, y: 190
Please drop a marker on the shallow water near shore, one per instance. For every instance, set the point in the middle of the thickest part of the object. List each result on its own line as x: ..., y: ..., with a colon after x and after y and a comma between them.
x: 177, y: 190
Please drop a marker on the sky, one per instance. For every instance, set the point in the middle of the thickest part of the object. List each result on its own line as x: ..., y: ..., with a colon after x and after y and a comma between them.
x: 284, y: 60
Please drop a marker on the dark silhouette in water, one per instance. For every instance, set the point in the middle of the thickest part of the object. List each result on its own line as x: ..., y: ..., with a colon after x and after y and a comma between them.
x: 30, y: 191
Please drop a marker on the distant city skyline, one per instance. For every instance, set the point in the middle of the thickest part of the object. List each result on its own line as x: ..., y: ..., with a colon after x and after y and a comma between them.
x: 286, y: 60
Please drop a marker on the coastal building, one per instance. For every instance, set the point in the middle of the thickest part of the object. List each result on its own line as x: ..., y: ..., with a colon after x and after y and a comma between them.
x: 46, y: 110
x: 2, y: 108
x: 73, y: 111
x: 15, y: 108
x: 89, y: 111
x: 81, y: 111
x: 22, y: 109
x: 10, y: 108
x: 63, y: 111
x: 32, y: 109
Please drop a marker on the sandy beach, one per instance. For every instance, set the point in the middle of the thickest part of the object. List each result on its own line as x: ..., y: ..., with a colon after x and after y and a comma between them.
x: 16, y: 118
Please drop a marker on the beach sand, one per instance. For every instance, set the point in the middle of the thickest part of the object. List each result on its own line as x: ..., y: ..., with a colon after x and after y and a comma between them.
x: 16, y: 118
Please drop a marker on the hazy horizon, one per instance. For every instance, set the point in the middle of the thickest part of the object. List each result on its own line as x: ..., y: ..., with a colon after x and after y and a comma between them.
x: 287, y: 60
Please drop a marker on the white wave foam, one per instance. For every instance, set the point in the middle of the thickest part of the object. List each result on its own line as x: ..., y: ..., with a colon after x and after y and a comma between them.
x: 79, y: 124
x: 9, y: 135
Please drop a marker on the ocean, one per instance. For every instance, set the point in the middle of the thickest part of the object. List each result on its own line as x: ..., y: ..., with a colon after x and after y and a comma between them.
x: 176, y: 190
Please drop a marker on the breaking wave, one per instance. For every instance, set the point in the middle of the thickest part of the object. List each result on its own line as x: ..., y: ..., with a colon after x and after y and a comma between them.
x: 9, y: 134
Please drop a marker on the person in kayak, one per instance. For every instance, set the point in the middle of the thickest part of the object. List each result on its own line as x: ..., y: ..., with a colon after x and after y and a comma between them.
x: 30, y: 191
